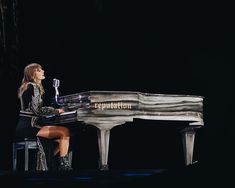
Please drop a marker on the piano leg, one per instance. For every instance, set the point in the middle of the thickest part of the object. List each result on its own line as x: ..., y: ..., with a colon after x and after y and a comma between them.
x: 188, y: 135
x: 103, y: 143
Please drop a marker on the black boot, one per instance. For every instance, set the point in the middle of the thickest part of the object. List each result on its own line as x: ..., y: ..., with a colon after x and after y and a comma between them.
x: 64, y: 164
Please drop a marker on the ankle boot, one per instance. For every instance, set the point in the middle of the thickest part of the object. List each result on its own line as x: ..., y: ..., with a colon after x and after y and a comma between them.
x: 64, y: 164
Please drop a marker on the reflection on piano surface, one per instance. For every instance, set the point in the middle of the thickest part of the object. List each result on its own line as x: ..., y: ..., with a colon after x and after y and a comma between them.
x: 107, y: 109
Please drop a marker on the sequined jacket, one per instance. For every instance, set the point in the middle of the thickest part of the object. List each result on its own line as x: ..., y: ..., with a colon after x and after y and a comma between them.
x: 32, y: 105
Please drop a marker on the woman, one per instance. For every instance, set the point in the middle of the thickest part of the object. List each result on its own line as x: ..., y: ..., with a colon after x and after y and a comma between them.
x: 31, y: 124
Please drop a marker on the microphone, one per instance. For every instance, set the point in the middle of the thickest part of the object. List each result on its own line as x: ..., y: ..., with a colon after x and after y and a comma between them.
x: 56, y: 84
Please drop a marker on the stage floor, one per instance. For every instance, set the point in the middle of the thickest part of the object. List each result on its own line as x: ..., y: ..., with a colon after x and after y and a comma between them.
x: 190, y: 176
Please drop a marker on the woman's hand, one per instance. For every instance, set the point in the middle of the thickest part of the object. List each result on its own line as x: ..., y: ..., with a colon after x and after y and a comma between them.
x: 60, y: 110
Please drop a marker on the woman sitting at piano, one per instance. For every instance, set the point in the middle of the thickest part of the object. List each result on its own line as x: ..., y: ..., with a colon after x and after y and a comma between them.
x: 31, y: 124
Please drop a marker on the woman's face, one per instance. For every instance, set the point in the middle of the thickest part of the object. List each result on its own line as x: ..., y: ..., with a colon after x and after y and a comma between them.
x: 39, y: 75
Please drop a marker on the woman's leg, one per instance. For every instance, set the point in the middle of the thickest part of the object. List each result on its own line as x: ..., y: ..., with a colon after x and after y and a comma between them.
x: 57, y: 148
x: 57, y: 132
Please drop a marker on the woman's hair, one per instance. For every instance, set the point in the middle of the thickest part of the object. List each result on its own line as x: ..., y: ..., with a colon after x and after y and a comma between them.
x: 29, y: 77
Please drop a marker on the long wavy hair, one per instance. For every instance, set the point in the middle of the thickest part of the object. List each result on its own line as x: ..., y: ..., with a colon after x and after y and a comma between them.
x: 29, y: 77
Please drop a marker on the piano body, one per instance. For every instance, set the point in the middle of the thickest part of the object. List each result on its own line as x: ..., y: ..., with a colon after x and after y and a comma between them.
x: 107, y: 109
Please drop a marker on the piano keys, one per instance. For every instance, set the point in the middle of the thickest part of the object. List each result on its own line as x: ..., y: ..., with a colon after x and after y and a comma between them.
x: 107, y: 109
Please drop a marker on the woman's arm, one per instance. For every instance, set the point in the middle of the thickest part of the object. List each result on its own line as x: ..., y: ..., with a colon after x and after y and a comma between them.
x: 37, y: 104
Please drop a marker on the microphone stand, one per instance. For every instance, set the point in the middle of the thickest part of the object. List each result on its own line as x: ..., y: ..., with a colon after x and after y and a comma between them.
x: 56, y: 84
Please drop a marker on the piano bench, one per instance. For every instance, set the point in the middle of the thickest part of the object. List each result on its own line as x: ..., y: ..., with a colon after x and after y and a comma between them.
x: 26, y: 145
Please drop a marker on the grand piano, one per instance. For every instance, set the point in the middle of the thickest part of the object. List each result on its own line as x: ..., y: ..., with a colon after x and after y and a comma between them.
x: 107, y: 109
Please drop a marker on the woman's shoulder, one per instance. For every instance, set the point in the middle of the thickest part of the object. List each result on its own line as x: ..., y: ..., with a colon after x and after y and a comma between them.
x: 30, y: 86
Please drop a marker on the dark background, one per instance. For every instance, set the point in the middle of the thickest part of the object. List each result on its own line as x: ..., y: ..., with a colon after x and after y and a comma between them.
x: 132, y: 46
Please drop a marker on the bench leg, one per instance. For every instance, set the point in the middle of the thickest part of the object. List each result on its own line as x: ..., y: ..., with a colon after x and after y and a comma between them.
x: 14, y: 157
x: 26, y: 157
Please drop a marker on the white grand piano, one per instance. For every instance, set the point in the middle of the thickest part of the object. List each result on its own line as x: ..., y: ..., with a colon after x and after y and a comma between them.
x: 107, y: 109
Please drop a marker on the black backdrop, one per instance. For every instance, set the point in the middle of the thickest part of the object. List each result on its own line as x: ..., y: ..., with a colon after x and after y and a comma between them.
x: 133, y: 46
